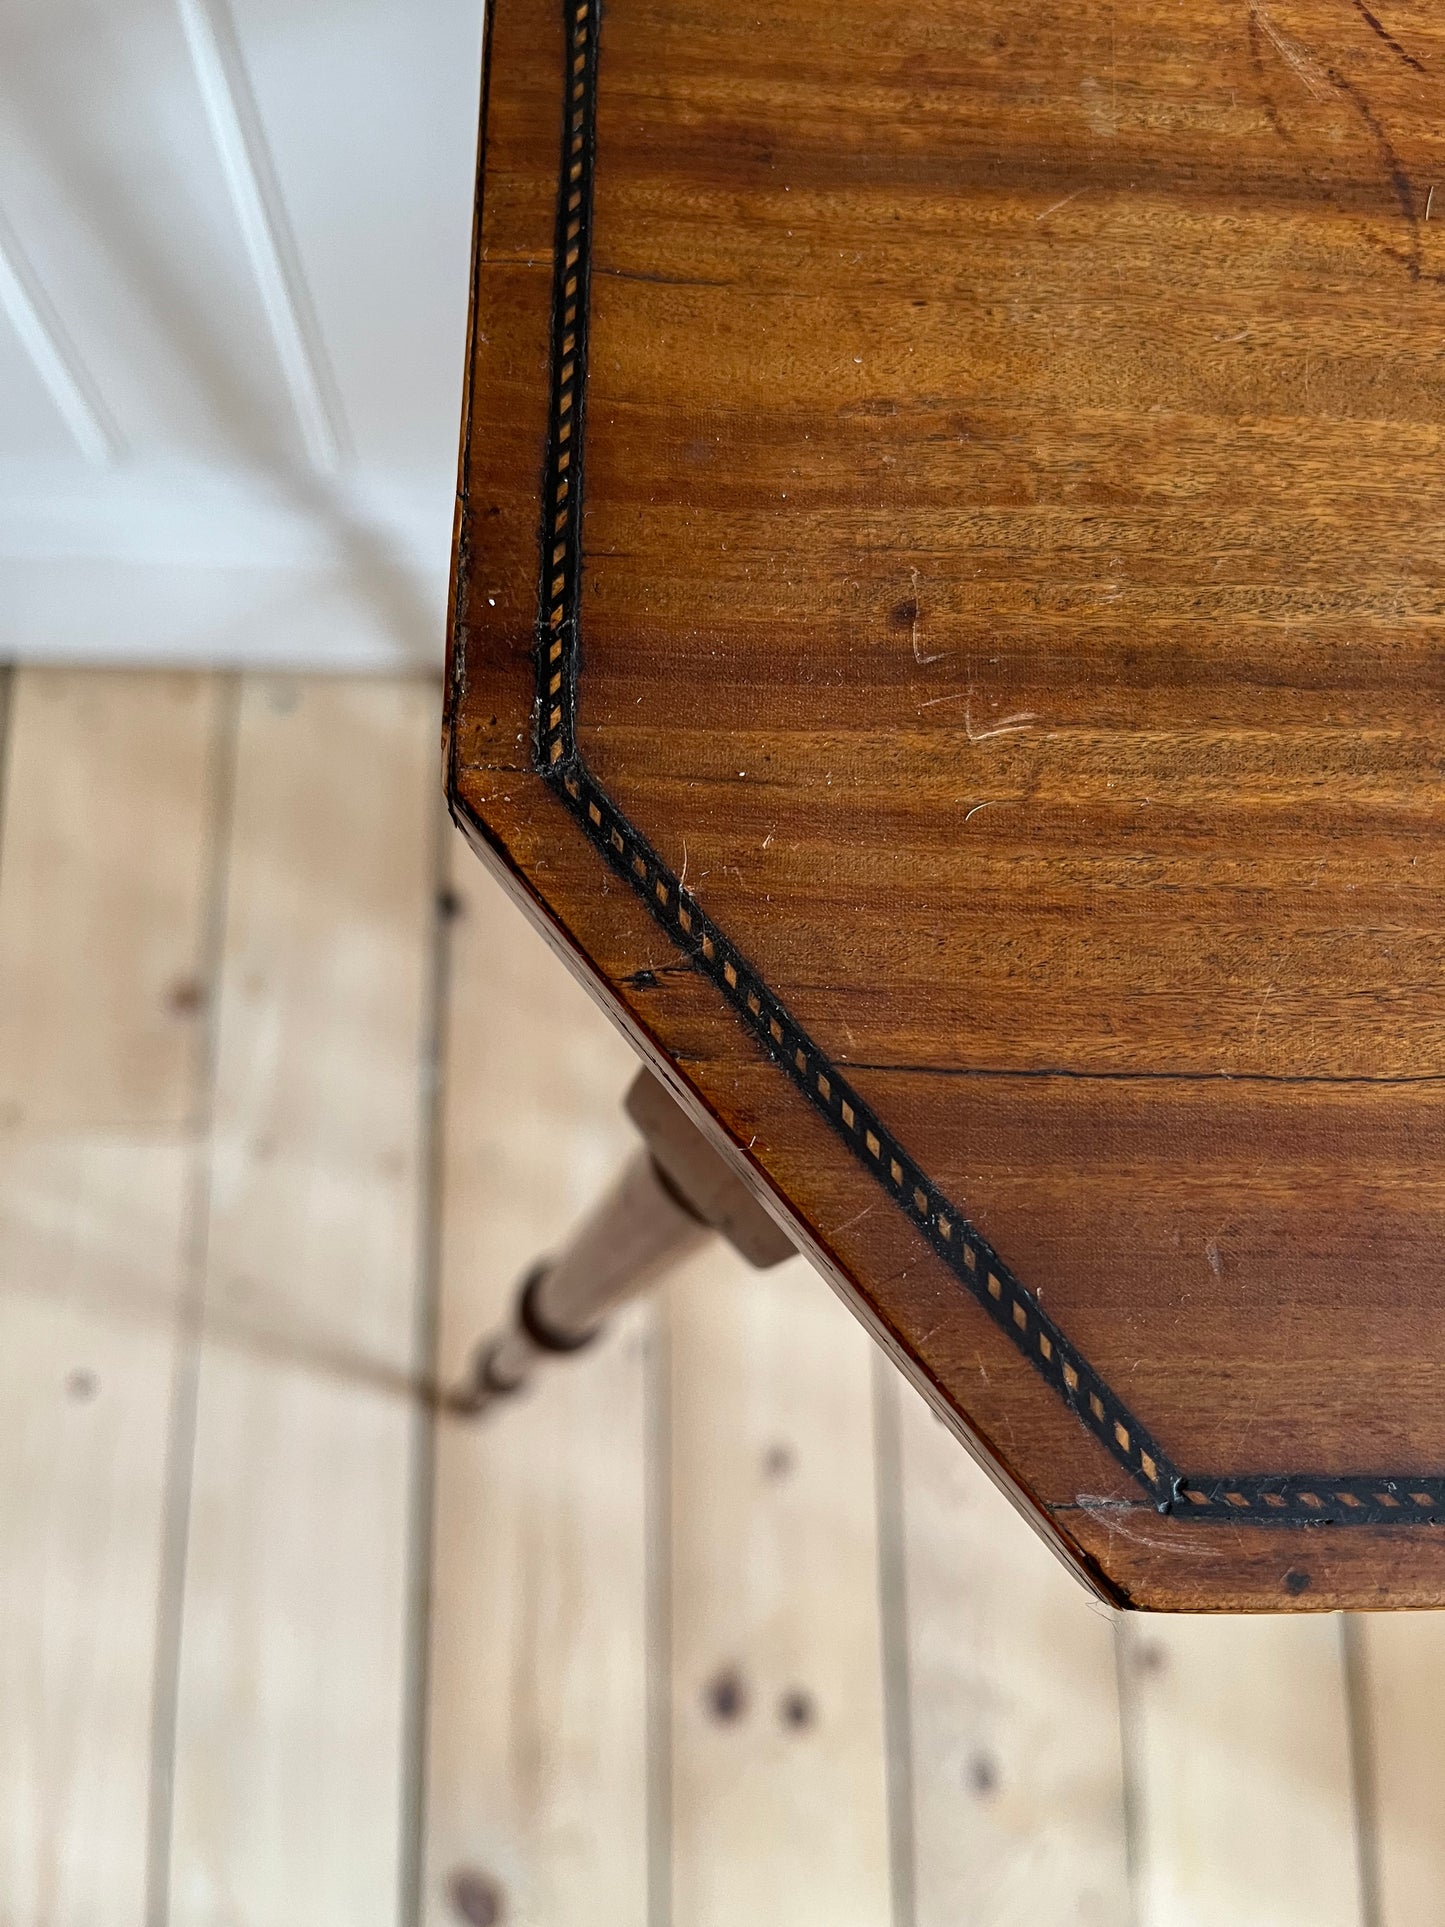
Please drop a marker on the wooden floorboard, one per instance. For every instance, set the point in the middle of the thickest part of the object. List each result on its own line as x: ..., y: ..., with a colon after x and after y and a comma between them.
x: 103, y: 888
x: 1243, y: 1778
x: 1402, y: 1757
x: 290, y: 1776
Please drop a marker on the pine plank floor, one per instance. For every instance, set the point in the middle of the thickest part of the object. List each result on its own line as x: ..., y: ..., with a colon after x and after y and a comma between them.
x: 288, y: 1095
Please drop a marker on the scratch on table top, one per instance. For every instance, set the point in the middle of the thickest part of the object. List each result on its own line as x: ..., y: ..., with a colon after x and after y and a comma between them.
x: 1263, y: 1002
x: 1005, y: 726
x: 848, y: 1223
x: 918, y: 656
x: 1063, y: 203
x: 1119, y: 1516
x: 1289, y: 51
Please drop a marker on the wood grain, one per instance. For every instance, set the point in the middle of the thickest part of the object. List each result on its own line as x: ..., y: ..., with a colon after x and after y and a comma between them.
x: 290, y: 1775
x: 106, y: 864
x: 997, y: 618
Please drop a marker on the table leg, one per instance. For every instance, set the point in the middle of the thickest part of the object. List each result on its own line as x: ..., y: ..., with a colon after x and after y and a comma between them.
x: 674, y: 1193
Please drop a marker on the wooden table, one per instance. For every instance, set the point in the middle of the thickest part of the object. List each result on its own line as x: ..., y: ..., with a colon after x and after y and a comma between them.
x: 947, y: 621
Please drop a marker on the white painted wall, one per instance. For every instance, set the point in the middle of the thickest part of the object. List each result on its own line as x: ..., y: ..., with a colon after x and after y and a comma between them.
x: 234, y: 240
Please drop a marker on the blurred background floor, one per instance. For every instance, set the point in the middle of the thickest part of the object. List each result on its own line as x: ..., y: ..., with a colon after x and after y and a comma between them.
x: 717, y: 1627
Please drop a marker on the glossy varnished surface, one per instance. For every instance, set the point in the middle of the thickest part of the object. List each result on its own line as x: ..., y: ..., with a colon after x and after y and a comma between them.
x: 1007, y: 613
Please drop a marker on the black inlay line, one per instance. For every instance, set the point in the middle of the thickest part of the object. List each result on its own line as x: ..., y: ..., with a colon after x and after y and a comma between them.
x: 1286, y: 1499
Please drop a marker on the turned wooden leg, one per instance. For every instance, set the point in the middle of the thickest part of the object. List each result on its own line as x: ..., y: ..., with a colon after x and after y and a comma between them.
x: 673, y: 1194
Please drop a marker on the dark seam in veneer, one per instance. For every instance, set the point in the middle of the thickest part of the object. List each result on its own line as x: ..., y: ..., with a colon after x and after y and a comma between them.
x: 1044, y: 1072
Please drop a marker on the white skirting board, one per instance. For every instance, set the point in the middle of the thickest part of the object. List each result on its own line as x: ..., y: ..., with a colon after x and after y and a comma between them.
x: 174, y: 565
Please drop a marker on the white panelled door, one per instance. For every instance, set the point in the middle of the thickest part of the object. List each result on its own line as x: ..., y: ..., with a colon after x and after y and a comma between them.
x: 234, y: 241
